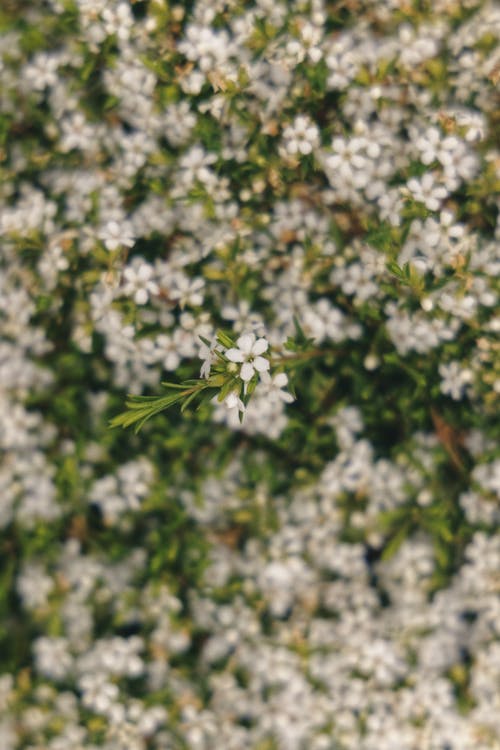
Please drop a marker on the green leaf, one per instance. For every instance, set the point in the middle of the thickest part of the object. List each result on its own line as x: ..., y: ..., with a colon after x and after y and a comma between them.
x: 252, y: 385
x: 230, y: 385
x: 290, y: 345
x: 188, y: 401
x: 207, y: 395
x: 395, y: 542
x: 395, y: 269
x: 142, y: 408
x: 224, y: 339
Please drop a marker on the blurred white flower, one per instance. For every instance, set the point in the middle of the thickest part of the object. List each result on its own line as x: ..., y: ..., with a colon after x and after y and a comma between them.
x: 425, y: 190
x: 455, y: 379
x: 272, y: 388
x: 139, y: 281
x: 208, y: 357
x: 232, y: 401
x: 301, y: 137
x: 115, y: 235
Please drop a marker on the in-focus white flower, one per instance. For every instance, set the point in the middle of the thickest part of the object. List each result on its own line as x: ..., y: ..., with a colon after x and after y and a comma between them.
x: 248, y: 354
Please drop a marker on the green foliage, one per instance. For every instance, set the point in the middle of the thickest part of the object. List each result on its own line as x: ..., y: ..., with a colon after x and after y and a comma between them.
x: 330, y: 475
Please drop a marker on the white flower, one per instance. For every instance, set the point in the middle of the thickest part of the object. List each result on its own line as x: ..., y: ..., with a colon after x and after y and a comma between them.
x: 115, y: 235
x: 167, y: 351
x: 118, y: 20
x: 429, y: 144
x: 425, y: 190
x: 248, y: 353
x: 302, y: 136
x: 208, y: 47
x: 139, y: 281
x: 347, y: 154
x: 455, y: 380
x: 187, y: 291
x: 194, y: 165
x: 208, y: 357
x: 274, y: 388
x: 232, y: 401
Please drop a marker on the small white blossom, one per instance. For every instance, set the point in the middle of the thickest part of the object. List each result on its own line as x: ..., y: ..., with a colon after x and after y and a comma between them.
x: 274, y: 388
x: 187, y: 291
x: 167, y: 350
x: 301, y: 137
x: 455, y: 379
x: 233, y: 402
x: 139, y: 282
x: 427, y: 191
x: 208, y: 357
x: 428, y: 145
x: 248, y: 354
x: 115, y: 235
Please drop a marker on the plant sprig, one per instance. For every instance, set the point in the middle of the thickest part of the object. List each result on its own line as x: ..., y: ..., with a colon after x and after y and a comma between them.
x: 222, y: 376
x: 220, y: 384
x: 141, y: 408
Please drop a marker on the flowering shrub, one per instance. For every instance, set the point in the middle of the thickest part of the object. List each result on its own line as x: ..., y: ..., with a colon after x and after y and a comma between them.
x: 265, y: 234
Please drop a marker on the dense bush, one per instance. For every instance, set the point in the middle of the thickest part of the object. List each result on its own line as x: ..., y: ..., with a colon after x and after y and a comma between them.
x: 288, y: 211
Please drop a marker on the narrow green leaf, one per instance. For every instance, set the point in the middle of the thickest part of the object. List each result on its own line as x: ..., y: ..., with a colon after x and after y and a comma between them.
x: 188, y: 400
x: 224, y: 339
x: 395, y: 269
x: 207, y: 395
x: 395, y: 543
x: 139, y: 411
x: 227, y: 388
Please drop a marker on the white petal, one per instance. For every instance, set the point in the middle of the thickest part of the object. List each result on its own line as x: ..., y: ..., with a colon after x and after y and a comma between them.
x: 260, y: 364
x: 233, y: 402
x: 235, y: 355
x: 205, y: 369
x: 171, y: 361
x: 260, y: 346
x: 286, y: 397
x: 281, y: 379
x: 245, y: 343
x: 246, y: 372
